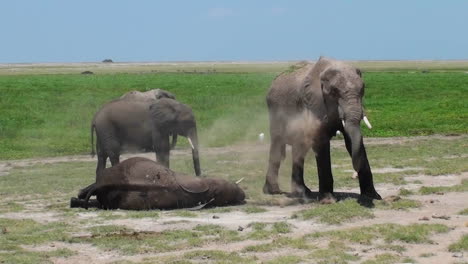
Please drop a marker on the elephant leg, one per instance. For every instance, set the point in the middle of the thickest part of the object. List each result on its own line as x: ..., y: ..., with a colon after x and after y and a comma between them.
x: 271, y: 184
x: 115, y: 159
x: 298, y: 187
x: 174, y: 140
x: 113, y: 151
x: 101, y: 165
x: 162, y: 148
x: 325, y: 175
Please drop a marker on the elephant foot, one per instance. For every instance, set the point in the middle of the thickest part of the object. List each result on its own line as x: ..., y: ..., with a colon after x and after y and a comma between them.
x: 372, y: 194
x: 367, y: 198
x: 271, y: 189
x: 327, y: 198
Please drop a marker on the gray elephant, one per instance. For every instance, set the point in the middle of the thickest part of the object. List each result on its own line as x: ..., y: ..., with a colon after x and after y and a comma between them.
x: 148, y: 95
x: 142, y: 184
x: 307, y: 106
x: 146, y: 125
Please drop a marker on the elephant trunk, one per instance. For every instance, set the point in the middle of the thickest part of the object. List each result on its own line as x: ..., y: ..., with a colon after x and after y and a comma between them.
x: 354, y: 132
x: 352, y: 117
x: 193, y: 140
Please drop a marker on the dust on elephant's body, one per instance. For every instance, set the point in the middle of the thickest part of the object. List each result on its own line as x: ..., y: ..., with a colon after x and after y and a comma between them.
x: 150, y: 95
x: 142, y: 184
x: 307, y: 106
x: 144, y: 125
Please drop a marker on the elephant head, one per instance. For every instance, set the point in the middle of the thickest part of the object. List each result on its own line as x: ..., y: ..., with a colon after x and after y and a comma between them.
x: 343, y: 90
x: 171, y: 117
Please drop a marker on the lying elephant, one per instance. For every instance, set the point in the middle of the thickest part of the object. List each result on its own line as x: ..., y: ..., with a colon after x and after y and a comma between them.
x: 142, y: 184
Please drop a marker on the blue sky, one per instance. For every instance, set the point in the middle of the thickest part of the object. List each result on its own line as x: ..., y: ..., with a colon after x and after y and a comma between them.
x: 173, y: 30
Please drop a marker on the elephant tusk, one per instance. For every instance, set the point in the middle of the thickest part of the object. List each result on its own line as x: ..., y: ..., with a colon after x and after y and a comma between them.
x: 342, y: 122
x: 240, y: 180
x: 191, y: 144
x: 368, y: 124
x: 198, y: 207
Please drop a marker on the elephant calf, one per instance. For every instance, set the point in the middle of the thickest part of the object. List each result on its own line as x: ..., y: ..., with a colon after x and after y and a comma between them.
x: 142, y: 184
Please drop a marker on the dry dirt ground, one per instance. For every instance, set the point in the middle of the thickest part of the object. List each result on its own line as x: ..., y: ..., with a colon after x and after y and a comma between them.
x: 440, y: 208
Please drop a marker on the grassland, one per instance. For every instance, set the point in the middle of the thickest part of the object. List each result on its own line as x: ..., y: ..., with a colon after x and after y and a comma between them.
x: 49, y: 115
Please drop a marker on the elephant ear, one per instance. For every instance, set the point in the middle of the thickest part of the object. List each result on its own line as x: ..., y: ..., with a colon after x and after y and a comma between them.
x: 160, y: 93
x: 358, y: 71
x: 163, y: 112
x: 191, y: 184
x: 326, y: 80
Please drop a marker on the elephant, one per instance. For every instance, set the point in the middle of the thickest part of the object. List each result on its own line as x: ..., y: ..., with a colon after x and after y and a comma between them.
x: 142, y: 184
x: 150, y: 96
x: 146, y: 125
x: 307, y: 105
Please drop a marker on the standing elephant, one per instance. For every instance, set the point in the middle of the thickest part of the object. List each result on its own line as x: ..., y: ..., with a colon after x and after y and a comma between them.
x: 142, y: 184
x: 121, y: 123
x: 307, y: 107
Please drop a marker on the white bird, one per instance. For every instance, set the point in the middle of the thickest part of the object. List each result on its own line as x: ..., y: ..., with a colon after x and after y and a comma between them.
x: 261, y: 136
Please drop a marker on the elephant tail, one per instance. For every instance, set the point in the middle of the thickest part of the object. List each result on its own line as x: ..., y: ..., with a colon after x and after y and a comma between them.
x: 93, y: 148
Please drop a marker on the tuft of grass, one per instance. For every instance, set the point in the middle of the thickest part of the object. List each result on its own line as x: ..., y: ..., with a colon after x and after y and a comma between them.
x: 337, y: 213
x: 26, y: 257
x: 264, y: 230
x: 286, y: 260
x: 414, y: 233
x: 183, y: 213
x: 335, y: 253
x: 427, y: 255
x: 385, y: 258
x: 280, y: 242
x: 15, y: 232
x: 461, y: 245
x: 405, y: 192
x: 217, y: 256
x: 463, y: 212
x: 401, y: 204
x: 254, y: 209
x: 463, y: 187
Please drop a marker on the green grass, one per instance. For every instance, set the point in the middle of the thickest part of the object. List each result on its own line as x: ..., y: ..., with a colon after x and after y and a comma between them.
x: 401, y: 204
x: 49, y: 115
x: 337, y: 213
x: 15, y: 233
x: 262, y: 231
x: 461, y: 245
x: 280, y: 242
x: 385, y: 258
x: 414, y: 233
x: 335, y: 253
x: 463, y: 187
x: 463, y: 212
